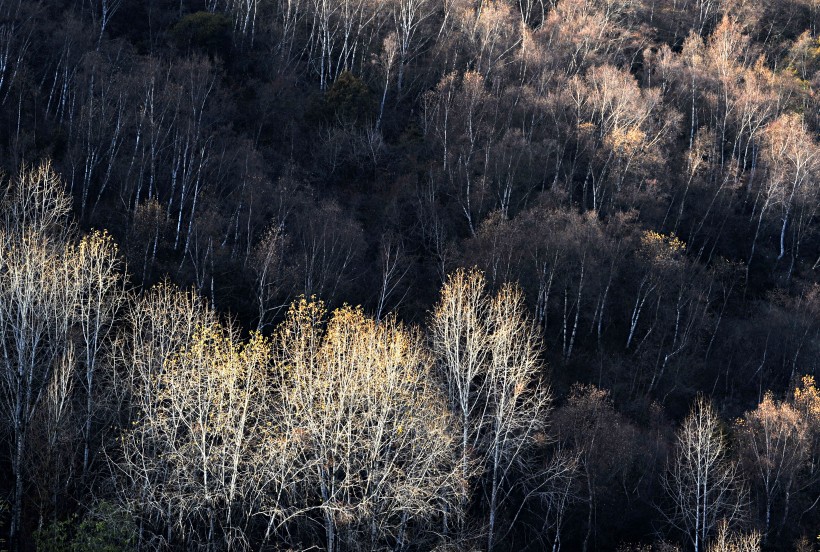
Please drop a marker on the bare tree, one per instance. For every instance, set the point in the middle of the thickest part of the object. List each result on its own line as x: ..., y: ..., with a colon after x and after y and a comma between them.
x: 35, y: 203
x: 806, y: 400
x: 792, y: 158
x: 207, y: 422
x: 159, y: 324
x: 557, y: 495
x: 326, y: 242
x: 394, y: 268
x: 290, y: 15
x: 387, y: 59
x: 97, y: 130
x: 774, y: 441
x: 342, y: 35
x: 266, y: 264
x: 15, y: 40
x: 518, y: 405
x: 101, y: 13
x: 36, y: 308
x: 460, y: 114
x: 244, y: 13
x: 459, y: 339
x: 618, y: 129
x: 190, y: 456
x: 488, y: 354
x: 702, y: 482
x: 366, y: 428
x: 55, y: 440
x: 409, y: 17
x: 58, y: 303
x: 604, y: 445
x: 726, y: 541
x: 97, y: 274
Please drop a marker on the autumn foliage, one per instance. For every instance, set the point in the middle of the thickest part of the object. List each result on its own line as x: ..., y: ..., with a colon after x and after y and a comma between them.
x: 409, y: 274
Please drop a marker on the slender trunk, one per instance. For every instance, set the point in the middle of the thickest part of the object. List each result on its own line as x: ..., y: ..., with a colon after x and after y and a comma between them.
x: 786, y: 502
x: 17, y: 506
x: 493, y: 499
x: 783, y: 235
x: 89, y: 409
x: 330, y: 533
x: 577, y: 311
x: 384, y: 99
x: 590, y: 509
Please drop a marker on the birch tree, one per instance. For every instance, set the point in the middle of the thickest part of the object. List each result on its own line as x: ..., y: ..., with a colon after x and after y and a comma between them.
x: 775, y: 444
x: 409, y: 18
x: 702, y: 481
x: 57, y: 303
x: 160, y: 323
x: 190, y: 461
x: 36, y: 307
x: 793, y: 159
x: 727, y: 541
x: 488, y: 355
x: 366, y: 427
x: 101, y: 295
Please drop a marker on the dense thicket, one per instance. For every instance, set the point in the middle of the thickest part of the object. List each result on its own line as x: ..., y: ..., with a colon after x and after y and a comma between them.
x: 583, y: 234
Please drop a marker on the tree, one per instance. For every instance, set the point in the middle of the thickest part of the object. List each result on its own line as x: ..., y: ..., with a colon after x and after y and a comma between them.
x: 266, y: 264
x: 518, y: 405
x: 37, y: 299
x: 104, y: 528
x: 618, y: 128
x: 190, y: 457
x: 459, y: 338
x: 387, y: 59
x: 161, y: 323
x: 394, y: 268
x: 97, y: 273
x: 208, y: 31
x: 362, y: 428
x: 101, y: 13
x: 566, y: 263
x: 409, y: 17
x: 488, y: 354
x: 806, y: 400
x: 341, y: 35
x: 492, y: 32
x: 606, y: 447
x: 97, y: 130
x: 461, y: 115
x: 726, y: 541
x: 244, y: 14
x: 679, y: 290
x: 326, y: 242
x: 207, y: 421
x: 702, y: 482
x: 775, y: 445
x: 58, y: 301
x: 792, y: 158
x: 15, y: 41
x: 55, y: 441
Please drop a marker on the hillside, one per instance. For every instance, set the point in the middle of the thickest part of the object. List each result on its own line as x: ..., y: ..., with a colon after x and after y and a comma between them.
x: 410, y: 274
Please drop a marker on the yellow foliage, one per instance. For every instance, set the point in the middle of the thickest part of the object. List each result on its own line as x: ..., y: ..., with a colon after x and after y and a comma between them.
x: 357, y: 393
x: 586, y: 128
x: 807, y: 398
x: 661, y: 248
x: 626, y: 141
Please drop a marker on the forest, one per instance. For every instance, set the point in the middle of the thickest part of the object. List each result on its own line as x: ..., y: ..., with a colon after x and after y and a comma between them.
x: 410, y: 275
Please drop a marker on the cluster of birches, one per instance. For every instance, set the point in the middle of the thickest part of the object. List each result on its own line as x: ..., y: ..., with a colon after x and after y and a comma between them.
x: 339, y: 430
x: 584, y: 235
